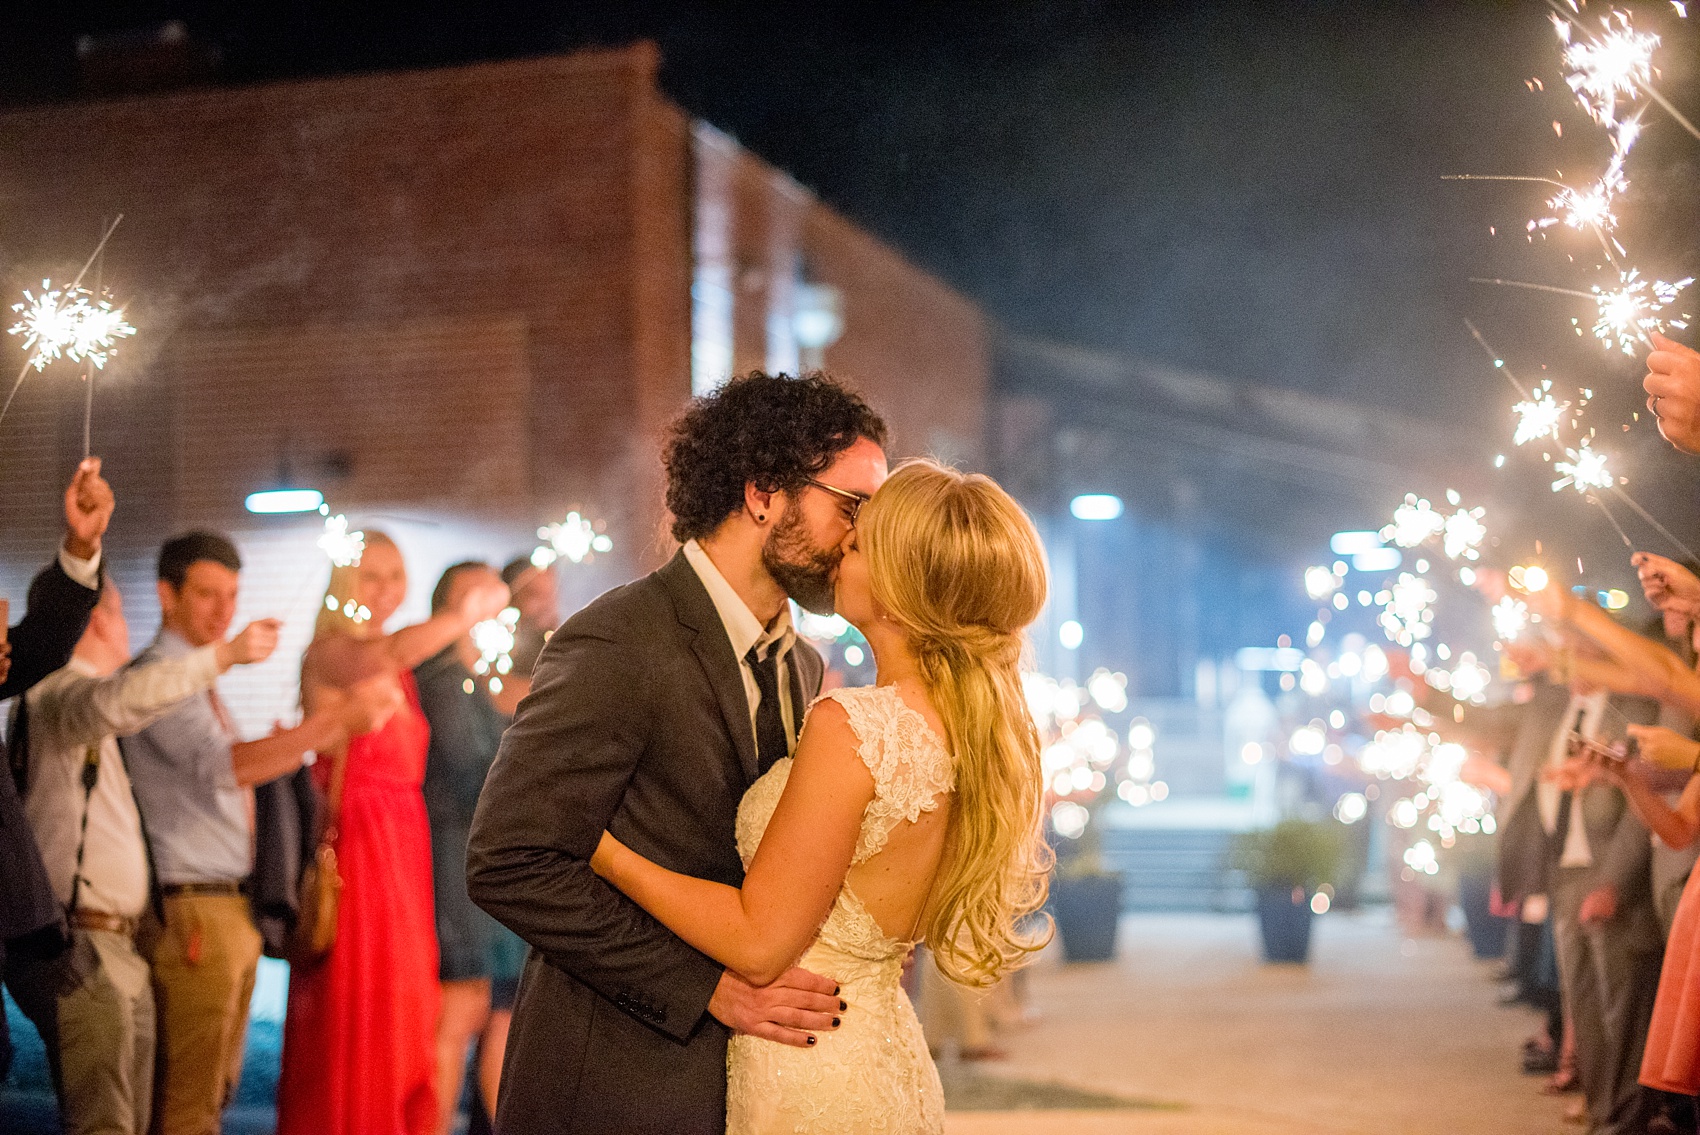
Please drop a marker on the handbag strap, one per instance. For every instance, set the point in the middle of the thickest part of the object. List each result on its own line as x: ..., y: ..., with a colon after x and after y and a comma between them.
x: 333, y: 800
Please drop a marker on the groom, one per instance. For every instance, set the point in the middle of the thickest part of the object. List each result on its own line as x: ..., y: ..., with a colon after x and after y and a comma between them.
x: 651, y: 712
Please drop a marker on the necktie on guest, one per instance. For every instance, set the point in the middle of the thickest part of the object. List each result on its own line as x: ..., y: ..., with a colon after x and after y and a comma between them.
x: 772, y: 741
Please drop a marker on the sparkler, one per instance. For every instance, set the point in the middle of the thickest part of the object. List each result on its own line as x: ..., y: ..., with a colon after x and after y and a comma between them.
x: 495, y: 640
x: 1538, y: 417
x: 1616, y: 64
x: 53, y: 330
x: 576, y: 538
x: 1585, y: 469
x: 1413, y: 522
x: 342, y: 546
x: 1629, y: 313
x: 1589, y: 208
x: 1407, y: 613
x: 1510, y: 618
x: 1463, y: 534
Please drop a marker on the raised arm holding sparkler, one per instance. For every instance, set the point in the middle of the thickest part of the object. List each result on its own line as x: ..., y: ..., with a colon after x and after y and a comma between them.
x: 1634, y: 664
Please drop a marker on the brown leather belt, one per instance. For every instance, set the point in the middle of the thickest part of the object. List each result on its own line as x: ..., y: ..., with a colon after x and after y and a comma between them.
x: 100, y: 920
x: 172, y: 890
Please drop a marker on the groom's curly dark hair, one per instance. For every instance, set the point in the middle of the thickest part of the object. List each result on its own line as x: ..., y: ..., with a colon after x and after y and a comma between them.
x: 774, y: 430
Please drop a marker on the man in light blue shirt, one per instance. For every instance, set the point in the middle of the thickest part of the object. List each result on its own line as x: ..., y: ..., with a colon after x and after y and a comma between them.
x: 194, y: 778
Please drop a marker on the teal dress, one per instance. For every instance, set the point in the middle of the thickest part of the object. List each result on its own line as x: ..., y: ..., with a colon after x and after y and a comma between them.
x: 466, y: 730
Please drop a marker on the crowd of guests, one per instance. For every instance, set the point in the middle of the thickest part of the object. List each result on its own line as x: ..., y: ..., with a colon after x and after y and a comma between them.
x: 1596, y: 767
x: 150, y: 852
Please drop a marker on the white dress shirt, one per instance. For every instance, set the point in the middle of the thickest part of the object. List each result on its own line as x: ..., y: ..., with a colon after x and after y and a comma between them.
x: 1548, y: 796
x: 746, y: 631
x: 85, y: 572
x: 71, y: 711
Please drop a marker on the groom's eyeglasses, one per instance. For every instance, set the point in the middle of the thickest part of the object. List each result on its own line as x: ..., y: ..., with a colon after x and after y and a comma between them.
x: 853, y: 501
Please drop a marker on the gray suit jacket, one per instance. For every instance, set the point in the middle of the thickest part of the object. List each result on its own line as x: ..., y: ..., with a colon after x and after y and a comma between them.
x: 637, y: 723
x: 1524, y: 733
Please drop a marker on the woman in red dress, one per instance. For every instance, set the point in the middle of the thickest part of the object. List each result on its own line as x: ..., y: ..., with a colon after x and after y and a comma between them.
x: 359, y: 1042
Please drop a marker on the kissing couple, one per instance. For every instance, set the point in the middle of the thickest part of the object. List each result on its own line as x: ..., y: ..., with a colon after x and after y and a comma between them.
x: 721, y: 871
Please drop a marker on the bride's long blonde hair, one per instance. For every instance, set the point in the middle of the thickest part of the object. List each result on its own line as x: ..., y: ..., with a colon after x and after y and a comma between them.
x: 958, y: 565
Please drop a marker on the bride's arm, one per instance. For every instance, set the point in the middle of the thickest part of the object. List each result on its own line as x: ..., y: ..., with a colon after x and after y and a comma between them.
x: 761, y: 930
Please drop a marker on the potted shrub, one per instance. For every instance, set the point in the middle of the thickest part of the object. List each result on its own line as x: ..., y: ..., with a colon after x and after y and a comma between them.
x: 1086, y: 900
x: 1285, y: 865
x: 1083, y: 758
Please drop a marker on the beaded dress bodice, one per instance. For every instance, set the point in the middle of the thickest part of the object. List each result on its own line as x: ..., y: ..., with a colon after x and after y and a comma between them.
x: 873, y: 1074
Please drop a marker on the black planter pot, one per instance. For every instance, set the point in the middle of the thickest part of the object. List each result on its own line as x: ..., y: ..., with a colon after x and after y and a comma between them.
x: 1284, y: 915
x: 1086, y: 909
x: 1486, y: 930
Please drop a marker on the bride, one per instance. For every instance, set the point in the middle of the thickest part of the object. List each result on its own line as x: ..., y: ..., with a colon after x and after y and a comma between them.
x: 909, y: 813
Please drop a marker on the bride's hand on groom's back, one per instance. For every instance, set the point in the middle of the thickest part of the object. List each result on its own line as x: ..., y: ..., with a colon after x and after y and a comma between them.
x: 789, y: 1011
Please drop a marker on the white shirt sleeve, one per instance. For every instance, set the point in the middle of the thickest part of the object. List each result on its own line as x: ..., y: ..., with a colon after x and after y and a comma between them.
x: 85, y: 572
x: 81, y: 710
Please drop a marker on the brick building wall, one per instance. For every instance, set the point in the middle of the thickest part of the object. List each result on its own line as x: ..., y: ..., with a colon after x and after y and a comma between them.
x: 457, y: 301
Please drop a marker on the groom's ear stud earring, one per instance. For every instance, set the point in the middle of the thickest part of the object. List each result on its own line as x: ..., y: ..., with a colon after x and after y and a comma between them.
x: 761, y: 518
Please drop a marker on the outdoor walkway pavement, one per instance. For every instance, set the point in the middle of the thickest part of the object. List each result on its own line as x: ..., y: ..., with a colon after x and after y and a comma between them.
x: 1379, y: 1035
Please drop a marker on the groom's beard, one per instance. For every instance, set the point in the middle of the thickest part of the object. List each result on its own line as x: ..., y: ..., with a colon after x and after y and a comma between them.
x: 803, y: 570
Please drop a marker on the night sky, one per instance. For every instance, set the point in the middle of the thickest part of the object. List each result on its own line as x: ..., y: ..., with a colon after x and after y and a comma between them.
x: 1253, y: 192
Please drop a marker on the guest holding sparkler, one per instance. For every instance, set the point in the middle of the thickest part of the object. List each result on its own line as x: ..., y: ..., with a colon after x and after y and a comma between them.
x: 477, y: 953
x: 359, y: 1048
x: 536, y: 595
x: 90, y: 997
x: 1671, y: 1058
x: 194, y: 780
x: 61, y: 599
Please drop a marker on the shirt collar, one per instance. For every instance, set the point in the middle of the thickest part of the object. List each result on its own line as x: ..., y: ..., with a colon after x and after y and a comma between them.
x: 741, y: 624
x: 170, y: 644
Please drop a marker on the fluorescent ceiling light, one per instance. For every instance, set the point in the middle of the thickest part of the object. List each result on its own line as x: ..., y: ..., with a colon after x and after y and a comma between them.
x: 285, y: 500
x: 1351, y: 543
x: 1095, y: 506
x: 1378, y: 559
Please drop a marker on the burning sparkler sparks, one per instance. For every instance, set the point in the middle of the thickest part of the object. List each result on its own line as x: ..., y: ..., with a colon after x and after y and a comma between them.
x: 343, y: 547
x: 576, y: 538
x: 1590, y: 207
x: 96, y: 331
x: 47, y: 322
x: 1463, y: 534
x: 1406, y: 615
x: 1538, y: 417
x: 1585, y: 469
x: 1616, y: 65
x: 495, y: 640
x: 1630, y: 313
x: 1510, y: 618
x: 68, y: 323
x: 1413, y: 522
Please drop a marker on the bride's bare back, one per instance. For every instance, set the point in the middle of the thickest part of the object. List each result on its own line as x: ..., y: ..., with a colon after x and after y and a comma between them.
x: 896, y: 883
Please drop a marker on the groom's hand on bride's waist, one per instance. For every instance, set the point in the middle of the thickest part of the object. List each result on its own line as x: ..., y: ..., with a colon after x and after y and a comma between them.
x: 789, y: 1011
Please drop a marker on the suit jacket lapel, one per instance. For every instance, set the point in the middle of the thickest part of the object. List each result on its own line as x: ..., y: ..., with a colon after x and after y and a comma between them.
x: 714, y: 650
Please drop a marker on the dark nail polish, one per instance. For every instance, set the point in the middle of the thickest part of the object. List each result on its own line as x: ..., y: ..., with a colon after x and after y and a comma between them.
x: 837, y: 989
x: 842, y: 1006
x: 835, y: 1022
x: 811, y: 1040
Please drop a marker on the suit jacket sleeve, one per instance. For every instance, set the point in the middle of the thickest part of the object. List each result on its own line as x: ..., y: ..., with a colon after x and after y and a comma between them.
x: 1626, y: 858
x: 557, y: 781
x: 43, y: 639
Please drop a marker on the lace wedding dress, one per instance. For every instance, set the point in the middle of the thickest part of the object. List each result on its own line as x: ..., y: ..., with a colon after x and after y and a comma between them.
x: 873, y: 1073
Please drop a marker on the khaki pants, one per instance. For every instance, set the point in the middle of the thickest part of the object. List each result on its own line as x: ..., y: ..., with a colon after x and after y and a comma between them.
x: 203, y: 978
x: 94, y: 1009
